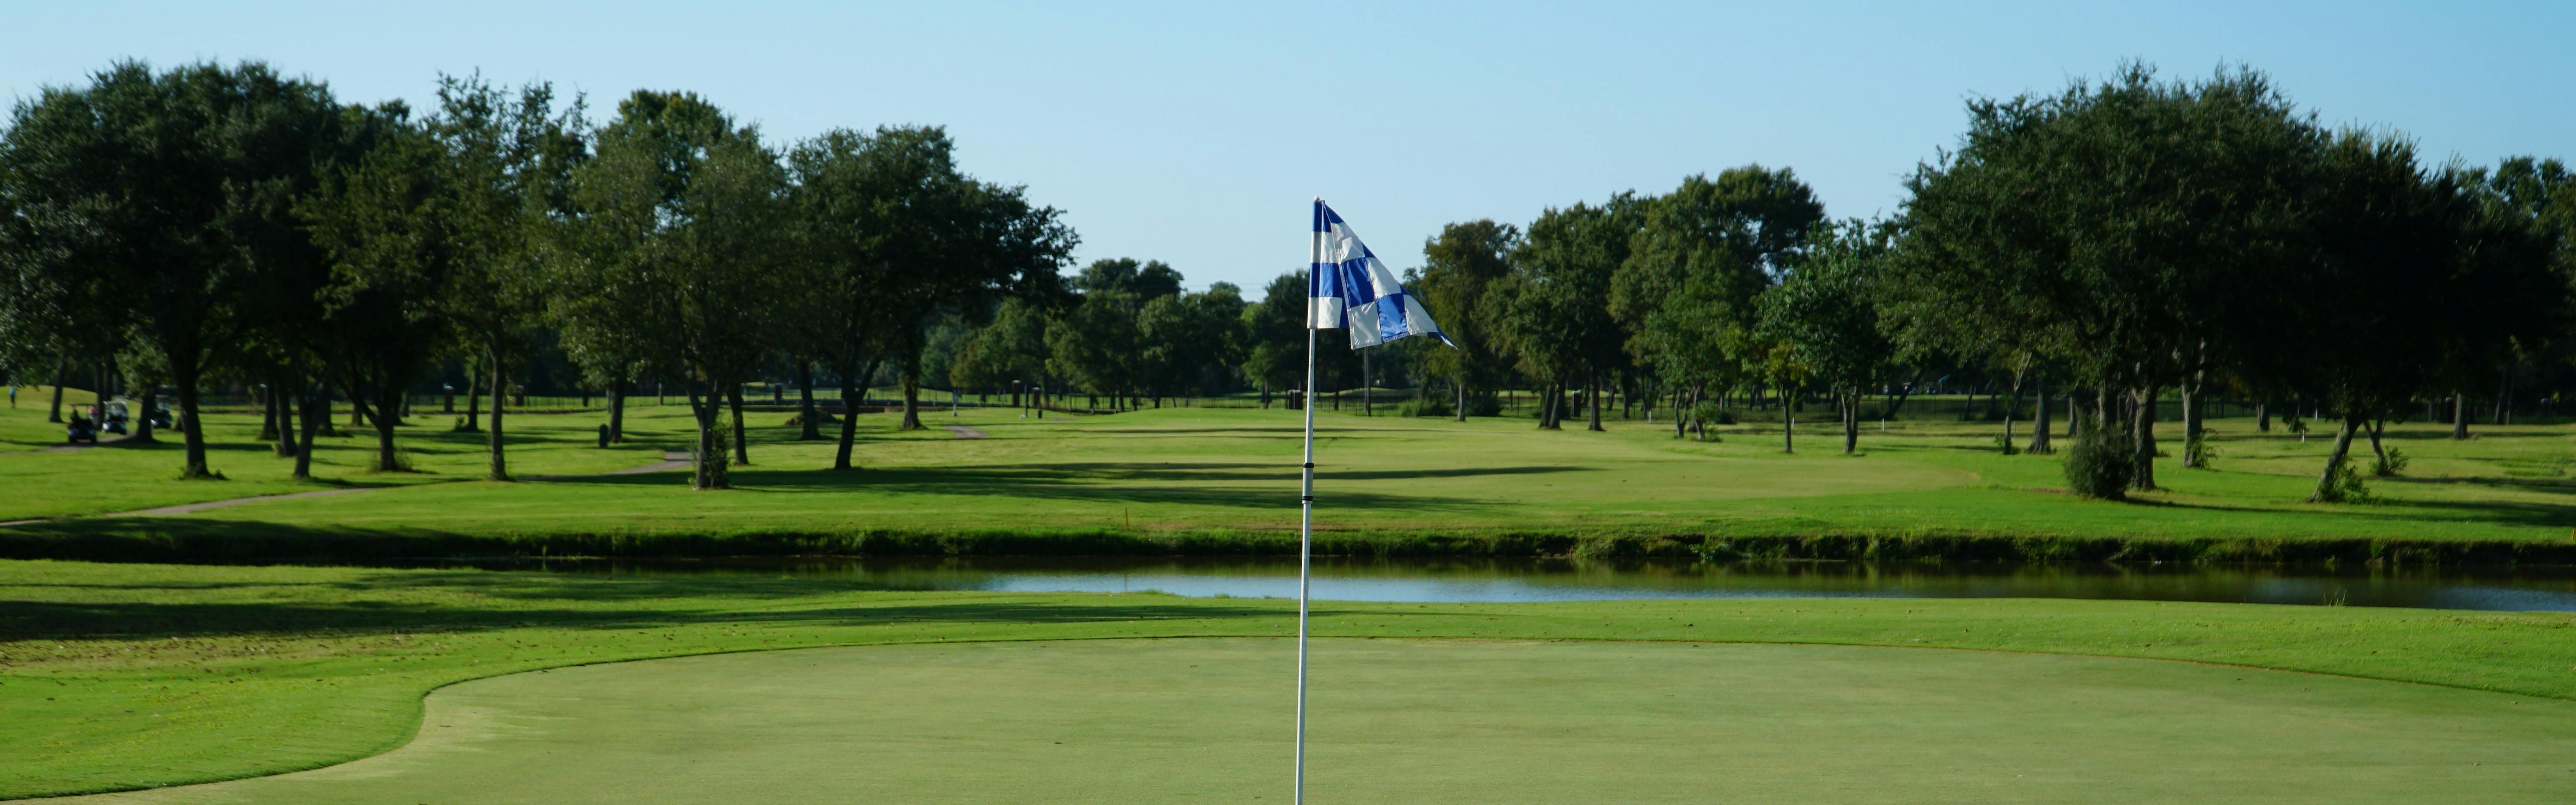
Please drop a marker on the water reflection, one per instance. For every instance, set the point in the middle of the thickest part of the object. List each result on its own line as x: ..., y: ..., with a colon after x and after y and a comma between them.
x: 2552, y: 589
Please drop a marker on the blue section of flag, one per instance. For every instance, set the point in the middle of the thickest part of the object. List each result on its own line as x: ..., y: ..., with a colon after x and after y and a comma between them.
x: 1347, y: 286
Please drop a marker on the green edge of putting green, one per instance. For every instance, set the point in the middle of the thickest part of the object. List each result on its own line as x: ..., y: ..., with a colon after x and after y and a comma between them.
x: 122, y: 676
x: 1412, y: 721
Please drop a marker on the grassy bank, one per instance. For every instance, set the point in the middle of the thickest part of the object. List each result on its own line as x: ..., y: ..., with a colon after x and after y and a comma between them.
x: 1209, y: 481
x: 124, y: 676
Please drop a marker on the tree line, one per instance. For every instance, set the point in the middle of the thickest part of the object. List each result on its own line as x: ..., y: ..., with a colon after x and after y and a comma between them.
x: 2124, y: 239
x: 215, y: 224
x: 2108, y: 246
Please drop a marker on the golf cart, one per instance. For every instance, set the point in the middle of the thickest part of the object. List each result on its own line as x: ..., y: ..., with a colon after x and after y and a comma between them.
x: 81, y: 430
x: 115, y: 416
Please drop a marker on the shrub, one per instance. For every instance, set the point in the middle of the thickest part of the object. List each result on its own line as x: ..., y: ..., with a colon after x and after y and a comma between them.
x: 2197, y: 451
x: 2342, y: 484
x: 2102, y: 464
x: 1709, y: 412
x: 1429, y: 405
x: 2388, y: 465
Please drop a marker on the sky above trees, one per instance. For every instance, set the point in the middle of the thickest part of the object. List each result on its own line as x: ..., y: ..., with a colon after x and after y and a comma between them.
x: 1196, y: 135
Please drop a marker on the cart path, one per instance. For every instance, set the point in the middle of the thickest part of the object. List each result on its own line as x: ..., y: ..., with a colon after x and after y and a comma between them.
x: 75, y: 448
x: 671, y: 460
x: 964, y: 432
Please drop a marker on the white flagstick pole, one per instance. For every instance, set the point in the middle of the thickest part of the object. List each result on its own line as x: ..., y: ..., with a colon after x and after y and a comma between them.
x: 1306, y: 500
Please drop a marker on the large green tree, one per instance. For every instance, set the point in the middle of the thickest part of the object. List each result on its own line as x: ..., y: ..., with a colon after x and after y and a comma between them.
x: 507, y: 159
x: 1826, y: 311
x: 2137, y: 230
x: 1459, y: 267
x: 676, y: 231
x: 2410, y: 275
x: 1557, y: 318
x: 177, y: 187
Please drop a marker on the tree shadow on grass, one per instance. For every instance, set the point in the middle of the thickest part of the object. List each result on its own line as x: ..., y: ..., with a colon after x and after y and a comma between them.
x: 2505, y: 513
x: 1217, y: 484
x: 57, y: 620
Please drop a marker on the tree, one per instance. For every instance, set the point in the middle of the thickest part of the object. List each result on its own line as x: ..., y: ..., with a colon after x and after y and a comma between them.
x: 2410, y: 277
x: 388, y: 226
x: 222, y: 154
x: 1274, y: 335
x: 1825, y: 310
x: 509, y: 162
x: 1459, y: 267
x: 676, y: 233
x: 2134, y: 231
x: 1700, y: 257
x: 1557, y: 318
x: 951, y: 243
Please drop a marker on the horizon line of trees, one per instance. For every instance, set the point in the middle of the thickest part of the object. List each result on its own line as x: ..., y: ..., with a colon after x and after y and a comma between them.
x: 209, y: 225
x: 2109, y: 245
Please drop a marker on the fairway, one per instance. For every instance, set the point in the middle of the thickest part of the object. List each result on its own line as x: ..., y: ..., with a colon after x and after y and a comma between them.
x: 1416, y: 721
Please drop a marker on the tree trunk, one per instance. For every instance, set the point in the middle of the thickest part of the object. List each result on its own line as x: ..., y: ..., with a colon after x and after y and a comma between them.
x: 1592, y: 398
x: 1788, y: 424
x: 2459, y: 416
x: 849, y: 418
x: 62, y: 374
x: 1547, y: 407
x: 2039, y: 416
x: 2504, y: 398
x: 1851, y: 422
x: 143, y: 414
x: 2376, y: 426
x: 2145, y: 433
x: 268, y: 396
x: 912, y: 392
x: 1368, y: 383
x: 1265, y: 395
x: 317, y: 411
x: 812, y: 430
x: 388, y: 402
x: 617, y: 411
x: 2191, y: 422
x: 1682, y: 405
x: 289, y: 391
x: 2263, y: 417
x: 498, y: 468
x: 184, y: 373
x: 703, y: 407
x: 2342, y: 449
x: 473, y: 401
x: 741, y: 451
x: 1459, y: 384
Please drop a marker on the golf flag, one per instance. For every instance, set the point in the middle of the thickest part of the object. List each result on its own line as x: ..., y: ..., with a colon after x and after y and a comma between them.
x: 1349, y: 287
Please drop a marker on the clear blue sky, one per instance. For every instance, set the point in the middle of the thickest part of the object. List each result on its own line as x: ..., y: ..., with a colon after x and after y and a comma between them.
x: 1195, y: 132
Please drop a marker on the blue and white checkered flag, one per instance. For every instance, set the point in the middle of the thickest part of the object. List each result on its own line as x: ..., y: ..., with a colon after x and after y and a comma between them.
x: 1348, y: 287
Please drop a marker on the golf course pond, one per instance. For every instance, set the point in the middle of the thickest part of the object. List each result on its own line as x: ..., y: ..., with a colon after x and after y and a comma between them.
x: 2498, y: 589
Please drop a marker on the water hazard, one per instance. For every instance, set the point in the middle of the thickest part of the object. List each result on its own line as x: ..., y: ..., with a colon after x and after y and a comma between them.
x: 2523, y: 589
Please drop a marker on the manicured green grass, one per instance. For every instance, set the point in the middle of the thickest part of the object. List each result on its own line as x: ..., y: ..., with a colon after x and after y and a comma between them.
x: 124, y: 676
x: 127, y: 476
x: 1412, y: 721
x: 1225, y: 479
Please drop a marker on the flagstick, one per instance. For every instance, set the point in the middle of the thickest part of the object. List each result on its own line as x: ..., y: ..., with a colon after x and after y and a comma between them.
x: 1306, y: 522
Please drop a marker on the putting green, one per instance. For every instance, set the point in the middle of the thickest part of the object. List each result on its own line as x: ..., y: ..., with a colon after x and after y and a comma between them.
x: 1408, y: 721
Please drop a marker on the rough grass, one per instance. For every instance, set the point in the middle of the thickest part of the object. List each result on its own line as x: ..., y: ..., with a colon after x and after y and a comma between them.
x: 1223, y: 480
x: 124, y: 676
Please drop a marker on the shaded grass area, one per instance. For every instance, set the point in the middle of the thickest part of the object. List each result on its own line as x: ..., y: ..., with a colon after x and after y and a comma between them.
x: 124, y: 676
x: 1195, y: 480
